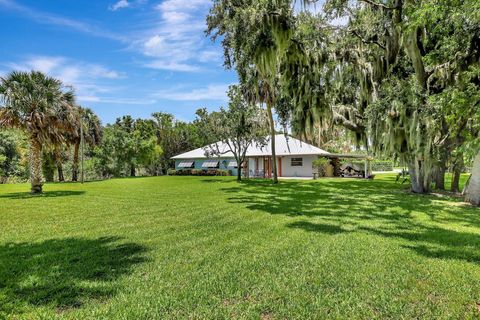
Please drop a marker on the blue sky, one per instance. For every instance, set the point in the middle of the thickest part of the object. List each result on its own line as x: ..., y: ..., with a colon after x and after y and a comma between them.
x: 123, y: 57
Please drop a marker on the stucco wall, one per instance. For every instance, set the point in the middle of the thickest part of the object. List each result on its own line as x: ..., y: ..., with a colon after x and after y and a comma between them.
x: 305, y: 170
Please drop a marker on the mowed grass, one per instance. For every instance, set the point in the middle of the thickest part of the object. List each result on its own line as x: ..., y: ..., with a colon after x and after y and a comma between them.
x: 211, y: 248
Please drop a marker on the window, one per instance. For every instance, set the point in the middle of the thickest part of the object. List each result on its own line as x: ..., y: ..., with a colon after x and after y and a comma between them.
x: 232, y: 164
x: 186, y: 164
x: 296, y: 162
x: 210, y: 164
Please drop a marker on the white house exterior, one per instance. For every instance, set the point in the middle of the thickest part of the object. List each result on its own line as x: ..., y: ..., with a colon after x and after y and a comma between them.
x: 294, y: 159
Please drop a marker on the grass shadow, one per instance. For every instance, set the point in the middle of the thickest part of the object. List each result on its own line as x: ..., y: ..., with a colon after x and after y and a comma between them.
x: 219, y: 180
x: 45, y: 194
x: 317, y: 227
x: 63, y: 273
x: 379, y: 207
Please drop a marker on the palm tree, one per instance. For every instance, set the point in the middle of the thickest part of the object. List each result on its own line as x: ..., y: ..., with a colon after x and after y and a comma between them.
x: 92, y: 133
x: 32, y: 102
x: 70, y: 118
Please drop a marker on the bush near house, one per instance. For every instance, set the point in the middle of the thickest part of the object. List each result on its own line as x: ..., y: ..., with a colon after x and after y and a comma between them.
x: 321, y: 165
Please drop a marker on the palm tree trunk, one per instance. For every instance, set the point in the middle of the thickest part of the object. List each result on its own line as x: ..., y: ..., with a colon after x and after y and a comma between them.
x: 61, y: 177
x: 75, y: 161
x: 272, y: 138
x: 472, y: 193
x: 36, y: 165
x: 58, y: 160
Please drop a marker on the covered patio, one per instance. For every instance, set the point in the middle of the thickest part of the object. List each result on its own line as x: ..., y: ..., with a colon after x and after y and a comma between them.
x: 261, y: 167
x: 350, y: 170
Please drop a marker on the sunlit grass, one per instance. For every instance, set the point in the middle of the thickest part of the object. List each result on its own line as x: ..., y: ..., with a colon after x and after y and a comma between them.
x: 210, y: 248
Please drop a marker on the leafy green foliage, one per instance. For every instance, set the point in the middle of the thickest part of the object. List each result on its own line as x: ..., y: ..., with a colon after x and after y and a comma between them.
x: 13, y: 151
x: 127, y: 145
x: 41, y: 107
x: 401, y: 75
x: 234, y: 129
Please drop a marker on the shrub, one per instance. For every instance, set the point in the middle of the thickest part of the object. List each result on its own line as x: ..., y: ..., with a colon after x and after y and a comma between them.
x: 321, y: 165
x: 172, y: 172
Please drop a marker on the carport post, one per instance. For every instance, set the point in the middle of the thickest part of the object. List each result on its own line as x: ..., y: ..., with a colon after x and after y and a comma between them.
x: 366, y: 168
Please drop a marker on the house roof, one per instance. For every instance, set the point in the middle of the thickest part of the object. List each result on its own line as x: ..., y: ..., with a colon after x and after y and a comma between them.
x: 283, y: 147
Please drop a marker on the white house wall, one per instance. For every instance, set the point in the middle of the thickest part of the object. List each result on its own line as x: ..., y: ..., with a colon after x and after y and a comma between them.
x: 305, y: 170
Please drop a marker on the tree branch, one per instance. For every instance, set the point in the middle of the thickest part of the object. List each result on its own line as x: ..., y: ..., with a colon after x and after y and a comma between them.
x: 381, y: 5
x: 369, y: 41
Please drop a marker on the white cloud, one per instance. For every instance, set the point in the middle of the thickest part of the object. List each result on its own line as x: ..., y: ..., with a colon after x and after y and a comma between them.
x: 172, y: 66
x: 216, y: 92
x: 120, y: 5
x: 67, y: 70
x: 176, y: 40
x: 210, y: 55
x: 86, y: 78
x: 96, y: 99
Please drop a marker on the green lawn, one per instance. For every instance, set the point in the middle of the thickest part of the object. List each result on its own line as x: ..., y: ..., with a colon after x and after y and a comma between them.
x: 210, y: 248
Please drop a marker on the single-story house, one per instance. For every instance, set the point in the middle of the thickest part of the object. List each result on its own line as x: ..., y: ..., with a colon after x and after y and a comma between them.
x: 294, y: 159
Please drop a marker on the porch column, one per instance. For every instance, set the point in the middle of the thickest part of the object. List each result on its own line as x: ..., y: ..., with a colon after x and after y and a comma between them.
x: 279, y: 166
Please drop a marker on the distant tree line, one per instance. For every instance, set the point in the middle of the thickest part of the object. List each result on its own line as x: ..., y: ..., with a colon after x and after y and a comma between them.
x: 128, y: 147
x: 45, y: 134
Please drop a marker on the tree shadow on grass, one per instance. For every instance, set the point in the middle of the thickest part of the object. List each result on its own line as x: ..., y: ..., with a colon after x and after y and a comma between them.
x: 380, y: 208
x: 63, y: 273
x: 45, y: 194
x: 317, y: 227
x: 219, y: 179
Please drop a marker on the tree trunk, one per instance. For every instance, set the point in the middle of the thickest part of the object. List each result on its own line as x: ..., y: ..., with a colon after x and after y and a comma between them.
x: 239, y: 171
x: 440, y: 170
x: 272, y: 138
x: 58, y: 160
x: 132, y: 170
x: 75, y: 161
x: 419, y: 177
x: 36, y: 165
x: 456, y: 172
x: 472, y: 193
x: 61, y: 177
